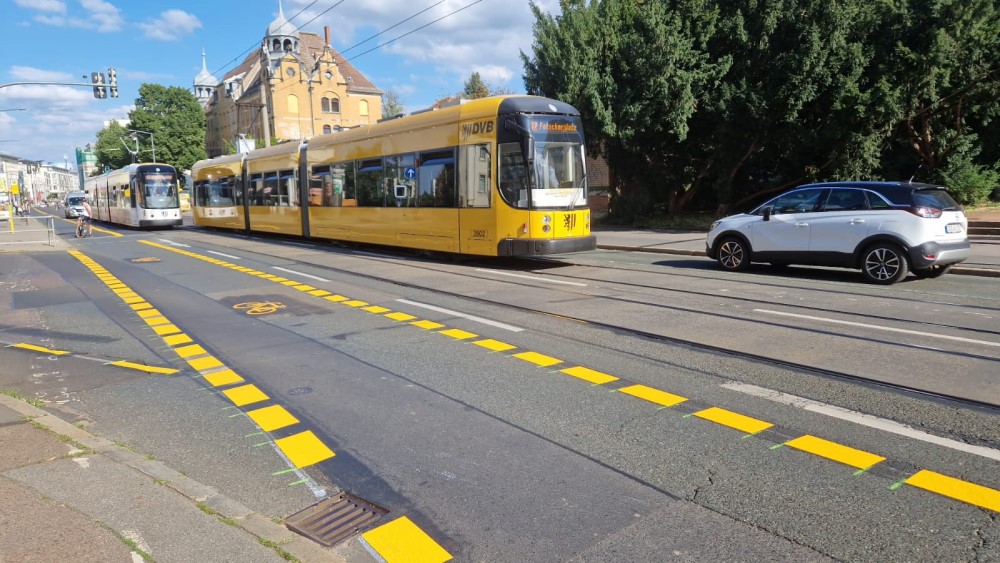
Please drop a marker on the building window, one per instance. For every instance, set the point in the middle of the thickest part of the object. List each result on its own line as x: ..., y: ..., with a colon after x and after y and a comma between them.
x: 293, y: 104
x: 327, y: 130
x: 335, y: 105
x: 363, y: 107
x: 325, y: 103
x: 330, y: 104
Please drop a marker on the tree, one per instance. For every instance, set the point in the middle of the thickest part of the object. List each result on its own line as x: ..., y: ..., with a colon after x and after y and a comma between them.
x: 392, y: 103
x: 475, y: 87
x: 110, y: 150
x: 177, y: 122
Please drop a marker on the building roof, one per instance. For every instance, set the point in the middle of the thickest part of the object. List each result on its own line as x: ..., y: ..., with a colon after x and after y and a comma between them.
x: 281, y: 26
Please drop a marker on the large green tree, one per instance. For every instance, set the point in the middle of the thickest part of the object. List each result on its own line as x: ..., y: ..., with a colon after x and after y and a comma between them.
x: 177, y: 122
x: 110, y: 149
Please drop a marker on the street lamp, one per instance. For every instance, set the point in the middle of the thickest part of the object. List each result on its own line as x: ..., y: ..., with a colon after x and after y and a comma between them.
x: 151, y: 141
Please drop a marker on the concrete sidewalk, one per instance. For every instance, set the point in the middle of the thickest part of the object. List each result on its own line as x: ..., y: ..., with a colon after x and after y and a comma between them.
x: 68, y: 495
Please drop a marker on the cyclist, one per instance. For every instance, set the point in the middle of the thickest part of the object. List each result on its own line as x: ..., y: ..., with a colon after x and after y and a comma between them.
x: 83, y: 221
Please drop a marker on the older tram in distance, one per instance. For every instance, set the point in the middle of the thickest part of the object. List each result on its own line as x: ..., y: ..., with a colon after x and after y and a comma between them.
x: 139, y: 195
x: 500, y: 176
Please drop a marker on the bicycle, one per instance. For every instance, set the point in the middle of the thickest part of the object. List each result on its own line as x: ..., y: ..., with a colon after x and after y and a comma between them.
x: 84, y: 228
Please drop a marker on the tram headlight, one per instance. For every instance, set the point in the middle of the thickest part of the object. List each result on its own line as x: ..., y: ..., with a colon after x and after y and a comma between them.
x: 546, y: 219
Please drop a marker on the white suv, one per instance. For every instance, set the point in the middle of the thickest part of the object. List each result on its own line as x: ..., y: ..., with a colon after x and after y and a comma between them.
x: 884, y: 228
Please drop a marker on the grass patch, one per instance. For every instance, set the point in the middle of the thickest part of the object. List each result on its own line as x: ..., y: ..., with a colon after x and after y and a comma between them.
x: 124, y: 446
x: 229, y: 521
x: 277, y: 548
x: 207, y: 509
x: 33, y: 401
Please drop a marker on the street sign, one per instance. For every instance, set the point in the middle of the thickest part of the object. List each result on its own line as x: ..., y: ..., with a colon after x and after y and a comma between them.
x: 410, y: 173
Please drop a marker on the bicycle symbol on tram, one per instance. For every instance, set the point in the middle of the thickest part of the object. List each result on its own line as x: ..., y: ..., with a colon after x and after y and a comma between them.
x: 259, y: 307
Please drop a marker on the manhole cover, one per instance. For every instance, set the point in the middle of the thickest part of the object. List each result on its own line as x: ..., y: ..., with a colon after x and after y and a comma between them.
x: 332, y: 520
x: 300, y: 391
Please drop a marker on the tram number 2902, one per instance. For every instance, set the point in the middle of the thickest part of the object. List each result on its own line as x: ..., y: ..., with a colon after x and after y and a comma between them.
x: 479, y: 233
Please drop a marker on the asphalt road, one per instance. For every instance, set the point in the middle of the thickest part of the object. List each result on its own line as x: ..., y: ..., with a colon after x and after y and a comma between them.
x: 530, y: 453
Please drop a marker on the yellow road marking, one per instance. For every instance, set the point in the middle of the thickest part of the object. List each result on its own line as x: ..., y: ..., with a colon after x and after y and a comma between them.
x: 166, y: 329
x: 590, y: 375
x: 142, y: 367
x: 401, y: 540
x: 304, y: 449
x: 429, y: 325
x: 190, y: 351
x: 957, y: 489
x: 355, y: 303
x: 837, y: 452
x: 141, y: 306
x: 320, y: 293
x: 304, y: 287
x: 223, y: 377
x: 458, y: 334
x: 336, y: 298
x: 290, y: 283
x: 376, y: 309
x: 402, y: 317
x: 208, y: 362
x: 653, y: 395
x: 176, y: 339
x: 245, y: 395
x: 538, y: 359
x: 39, y: 349
x: 272, y: 418
x: 731, y: 419
x: 146, y: 313
x: 156, y: 321
x: 495, y: 345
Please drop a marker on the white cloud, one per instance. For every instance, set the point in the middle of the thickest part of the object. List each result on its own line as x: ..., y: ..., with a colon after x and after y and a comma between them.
x: 171, y: 25
x: 55, y: 6
x: 104, y: 16
x: 31, y: 74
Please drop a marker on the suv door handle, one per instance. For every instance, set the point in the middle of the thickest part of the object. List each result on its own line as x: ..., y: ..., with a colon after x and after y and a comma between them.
x: 857, y: 221
x: 800, y: 225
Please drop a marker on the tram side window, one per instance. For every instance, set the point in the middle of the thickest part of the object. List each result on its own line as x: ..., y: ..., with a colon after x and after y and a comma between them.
x: 436, y: 179
x: 343, y: 184
x: 400, y: 180
x: 369, y: 183
x: 256, y: 195
x: 320, y: 185
x: 474, y: 174
x: 513, y: 175
x: 288, y: 195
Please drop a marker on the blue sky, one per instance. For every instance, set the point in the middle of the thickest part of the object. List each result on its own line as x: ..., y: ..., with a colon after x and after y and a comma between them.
x: 161, y: 41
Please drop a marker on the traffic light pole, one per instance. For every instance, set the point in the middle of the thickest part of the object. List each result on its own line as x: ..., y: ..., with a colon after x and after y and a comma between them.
x: 97, y: 83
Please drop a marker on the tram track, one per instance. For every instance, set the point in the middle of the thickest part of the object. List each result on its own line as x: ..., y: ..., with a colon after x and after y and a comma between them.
x: 939, y: 397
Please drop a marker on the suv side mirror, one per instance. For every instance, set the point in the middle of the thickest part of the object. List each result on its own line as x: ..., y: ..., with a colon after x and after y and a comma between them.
x: 766, y: 213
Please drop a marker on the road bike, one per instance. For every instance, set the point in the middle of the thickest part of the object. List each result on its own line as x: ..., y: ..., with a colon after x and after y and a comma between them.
x: 84, y: 228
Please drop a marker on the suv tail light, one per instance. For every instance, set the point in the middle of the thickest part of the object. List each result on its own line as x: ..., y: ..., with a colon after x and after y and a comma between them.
x: 925, y: 212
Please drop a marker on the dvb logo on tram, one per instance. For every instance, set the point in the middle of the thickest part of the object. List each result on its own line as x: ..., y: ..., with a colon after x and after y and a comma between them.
x: 477, y: 128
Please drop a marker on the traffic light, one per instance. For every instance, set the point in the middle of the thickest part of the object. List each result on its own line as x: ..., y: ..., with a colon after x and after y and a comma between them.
x: 113, y: 82
x: 100, y: 90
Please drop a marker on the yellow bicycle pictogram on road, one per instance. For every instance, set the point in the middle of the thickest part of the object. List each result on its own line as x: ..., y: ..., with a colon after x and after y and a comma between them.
x: 259, y: 307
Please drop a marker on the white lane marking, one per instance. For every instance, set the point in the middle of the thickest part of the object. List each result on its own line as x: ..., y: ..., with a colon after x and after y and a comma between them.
x: 462, y: 315
x: 877, y: 327
x: 172, y: 243
x: 317, y: 278
x: 860, y: 418
x: 230, y: 256
x: 535, y: 278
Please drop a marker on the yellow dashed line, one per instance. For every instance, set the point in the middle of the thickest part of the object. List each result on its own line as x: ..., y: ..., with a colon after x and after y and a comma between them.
x: 190, y: 351
x: 336, y: 298
x: 458, y: 334
x: 304, y: 449
x: 538, y: 359
x: 164, y: 330
x: 203, y: 363
x: 34, y: 348
x: 176, y: 339
x: 141, y: 306
x: 320, y: 293
x: 590, y: 375
x: 376, y: 309
x: 494, y: 345
x: 653, y: 395
x: 401, y: 540
x: 831, y: 450
x: 156, y: 321
x: 142, y: 367
x: 304, y: 287
x: 223, y: 377
x: 401, y: 317
x: 734, y: 420
x: 983, y: 497
x: 245, y: 395
x: 356, y: 303
x: 146, y: 313
x: 272, y: 418
x: 428, y: 325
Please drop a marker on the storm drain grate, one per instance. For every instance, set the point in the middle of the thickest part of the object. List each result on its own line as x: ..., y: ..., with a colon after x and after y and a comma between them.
x: 332, y: 520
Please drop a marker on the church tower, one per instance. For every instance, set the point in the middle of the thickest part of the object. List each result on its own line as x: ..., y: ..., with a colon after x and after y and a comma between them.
x: 204, y: 84
x: 281, y: 38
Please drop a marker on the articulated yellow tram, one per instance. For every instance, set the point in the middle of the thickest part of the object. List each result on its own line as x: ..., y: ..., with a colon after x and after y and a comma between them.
x: 139, y: 195
x: 501, y: 176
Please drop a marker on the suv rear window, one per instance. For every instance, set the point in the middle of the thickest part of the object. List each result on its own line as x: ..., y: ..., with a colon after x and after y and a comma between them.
x: 75, y: 201
x: 939, y: 199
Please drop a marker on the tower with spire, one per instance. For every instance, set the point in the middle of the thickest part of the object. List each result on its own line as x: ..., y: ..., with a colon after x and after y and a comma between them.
x: 204, y: 83
x: 282, y: 38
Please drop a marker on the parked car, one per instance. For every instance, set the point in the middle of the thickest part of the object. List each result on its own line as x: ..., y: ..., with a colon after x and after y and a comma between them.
x: 885, y: 229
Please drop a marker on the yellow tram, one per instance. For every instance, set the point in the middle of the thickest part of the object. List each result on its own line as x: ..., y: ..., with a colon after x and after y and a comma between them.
x: 500, y: 176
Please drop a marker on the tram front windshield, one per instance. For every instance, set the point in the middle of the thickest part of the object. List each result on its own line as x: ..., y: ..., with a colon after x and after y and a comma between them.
x: 558, y: 176
x: 159, y: 190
